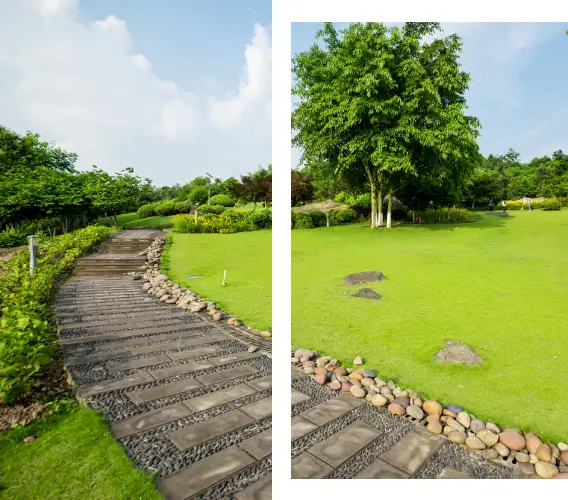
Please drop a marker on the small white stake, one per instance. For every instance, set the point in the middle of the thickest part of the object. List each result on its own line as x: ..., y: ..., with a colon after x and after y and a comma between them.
x: 225, y: 277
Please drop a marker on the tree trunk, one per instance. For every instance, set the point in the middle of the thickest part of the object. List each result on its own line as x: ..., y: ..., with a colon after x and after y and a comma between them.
x: 413, y: 216
x: 389, y: 211
x: 380, y: 208
x: 373, y: 204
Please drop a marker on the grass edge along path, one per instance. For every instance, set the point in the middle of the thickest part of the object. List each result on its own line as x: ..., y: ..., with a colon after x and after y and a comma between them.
x: 74, y: 457
x: 486, y: 283
x: 246, y: 256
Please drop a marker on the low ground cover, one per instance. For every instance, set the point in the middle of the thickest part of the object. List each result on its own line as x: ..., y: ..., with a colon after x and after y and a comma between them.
x: 496, y: 283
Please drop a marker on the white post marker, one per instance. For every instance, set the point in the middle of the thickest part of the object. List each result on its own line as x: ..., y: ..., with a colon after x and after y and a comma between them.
x: 327, y: 218
x: 32, y: 242
x: 225, y: 277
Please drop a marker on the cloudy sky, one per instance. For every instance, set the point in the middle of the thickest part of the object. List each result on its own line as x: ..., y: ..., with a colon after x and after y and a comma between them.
x: 173, y: 89
x: 519, y: 79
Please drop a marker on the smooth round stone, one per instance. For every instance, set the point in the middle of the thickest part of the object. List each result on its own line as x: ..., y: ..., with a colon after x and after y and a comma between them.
x: 434, y: 417
x: 367, y: 382
x: 397, y: 392
x: 464, y: 419
x: 555, y: 450
x: 356, y: 382
x: 532, y: 442
x: 489, y: 438
x: 533, y: 459
x: 404, y: 394
x: 544, y: 453
x: 385, y: 390
x: 434, y: 427
x: 359, y: 371
x: 340, y: 371
x: 294, y: 360
x: 304, y: 353
x: 396, y: 409
x: 358, y: 391
x: 490, y: 454
x: 448, y: 430
x: 321, y: 378
x: 455, y: 408
x: 417, y: 402
x: 380, y: 382
x: 342, y: 378
x: 564, y: 457
x: 390, y: 397
x: 563, y: 446
x: 474, y: 443
x: 502, y: 449
x: 512, y: 439
x: 355, y: 376
x: 379, y: 400
x: 391, y: 385
x: 415, y: 412
x: 455, y: 424
x: 457, y: 437
x: 370, y: 395
x: 432, y: 407
x: 449, y: 413
x: 493, y: 427
x: 404, y: 402
x: 561, y: 475
x: 444, y: 418
x: 522, y: 457
x: 546, y: 470
x: 320, y: 371
x: 369, y: 374
x: 219, y: 316
x: 527, y: 469
x: 349, y: 370
x: 563, y: 468
x: 346, y: 386
x: 309, y: 368
x: 476, y: 425
x: 335, y: 385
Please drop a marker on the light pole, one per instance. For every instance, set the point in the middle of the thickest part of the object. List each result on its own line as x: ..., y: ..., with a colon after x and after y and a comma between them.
x: 32, y: 242
x: 209, y: 186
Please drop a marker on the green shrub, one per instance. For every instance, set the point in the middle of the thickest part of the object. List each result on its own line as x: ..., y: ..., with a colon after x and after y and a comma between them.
x: 551, y: 204
x: 199, y: 195
x: 147, y: 210
x: 166, y: 207
x: 442, y: 215
x: 26, y: 335
x: 319, y: 219
x: 303, y: 221
x: 182, y: 207
x: 12, y: 238
x: 293, y: 220
x: 261, y: 219
x: 346, y: 216
x: 211, y: 209
x: 222, y: 199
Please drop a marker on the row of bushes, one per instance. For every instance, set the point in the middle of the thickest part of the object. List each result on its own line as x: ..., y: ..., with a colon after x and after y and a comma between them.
x: 230, y: 221
x: 26, y: 332
x: 317, y: 218
x: 162, y: 208
x: 446, y: 214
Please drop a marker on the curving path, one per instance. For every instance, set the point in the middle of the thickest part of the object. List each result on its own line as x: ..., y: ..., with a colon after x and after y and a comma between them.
x: 184, y: 396
x: 338, y: 436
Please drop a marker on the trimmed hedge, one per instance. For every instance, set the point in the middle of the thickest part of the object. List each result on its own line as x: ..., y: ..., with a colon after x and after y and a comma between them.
x: 222, y: 199
x: 210, y: 209
x: 26, y: 334
x: 162, y: 208
x: 551, y: 204
x: 230, y: 221
x: 318, y: 218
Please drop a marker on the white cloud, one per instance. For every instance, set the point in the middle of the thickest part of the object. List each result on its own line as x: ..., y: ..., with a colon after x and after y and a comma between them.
x: 79, y: 85
x: 255, y: 88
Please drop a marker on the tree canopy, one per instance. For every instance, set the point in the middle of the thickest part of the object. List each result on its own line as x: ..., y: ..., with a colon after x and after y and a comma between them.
x: 384, y: 107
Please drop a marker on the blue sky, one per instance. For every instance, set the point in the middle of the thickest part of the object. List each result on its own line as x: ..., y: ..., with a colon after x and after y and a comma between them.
x: 171, y: 88
x: 519, y: 83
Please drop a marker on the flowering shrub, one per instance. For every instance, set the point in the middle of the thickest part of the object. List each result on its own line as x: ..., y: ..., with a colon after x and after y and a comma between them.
x: 230, y: 221
x: 25, y: 333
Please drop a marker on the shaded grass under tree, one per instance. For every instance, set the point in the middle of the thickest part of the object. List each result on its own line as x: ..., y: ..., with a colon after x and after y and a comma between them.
x: 497, y: 284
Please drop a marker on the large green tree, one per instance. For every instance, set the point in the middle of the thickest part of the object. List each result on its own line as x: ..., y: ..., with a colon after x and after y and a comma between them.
x: 386, y: 104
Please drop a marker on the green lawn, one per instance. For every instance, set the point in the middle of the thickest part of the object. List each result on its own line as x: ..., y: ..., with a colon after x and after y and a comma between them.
x: 247, y: 259
x: 73, y: 457
x: 496, y: 284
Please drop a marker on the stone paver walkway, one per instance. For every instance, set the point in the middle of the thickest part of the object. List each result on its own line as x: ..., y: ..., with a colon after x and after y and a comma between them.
x: 182, y: 395
x: 338, y: 436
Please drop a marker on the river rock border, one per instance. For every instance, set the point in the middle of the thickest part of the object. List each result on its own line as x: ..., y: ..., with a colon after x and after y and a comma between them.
x: 158, y: 284
x: 526, y: 452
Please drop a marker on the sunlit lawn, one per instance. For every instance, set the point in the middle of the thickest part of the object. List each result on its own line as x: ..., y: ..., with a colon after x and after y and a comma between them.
x: 247, y: 259
x: 73, y: 457
x: 496, y: 284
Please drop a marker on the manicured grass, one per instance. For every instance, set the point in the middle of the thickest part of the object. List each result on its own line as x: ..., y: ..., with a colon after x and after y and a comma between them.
x: 247, y: 259
x: 496, y: 284
x: 73, y: 457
